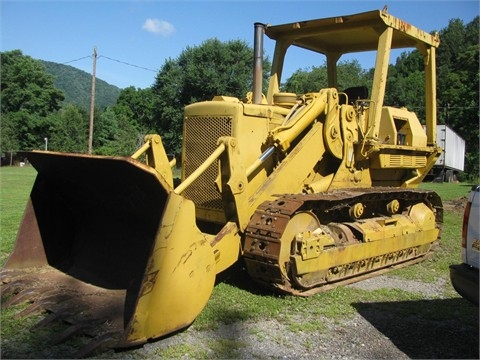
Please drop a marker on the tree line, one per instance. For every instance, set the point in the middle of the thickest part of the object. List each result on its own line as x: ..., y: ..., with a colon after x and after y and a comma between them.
x: 32, y: 108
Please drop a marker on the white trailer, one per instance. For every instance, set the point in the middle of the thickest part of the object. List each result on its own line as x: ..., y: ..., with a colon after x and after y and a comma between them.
x: 453, y: 157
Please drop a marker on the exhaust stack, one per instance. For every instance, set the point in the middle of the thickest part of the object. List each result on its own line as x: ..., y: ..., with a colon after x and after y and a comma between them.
x: 258, y: 63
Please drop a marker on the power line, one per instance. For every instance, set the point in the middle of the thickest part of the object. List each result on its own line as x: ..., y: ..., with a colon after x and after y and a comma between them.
x: 125, y: 63
x: 68, y: 62
x: 109, y: 58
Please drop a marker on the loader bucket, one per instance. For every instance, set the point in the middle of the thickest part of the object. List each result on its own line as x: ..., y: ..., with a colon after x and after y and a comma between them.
x: 107, y: 246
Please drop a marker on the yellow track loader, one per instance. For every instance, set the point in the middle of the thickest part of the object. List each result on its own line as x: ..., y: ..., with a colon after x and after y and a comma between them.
x: 309, y: 191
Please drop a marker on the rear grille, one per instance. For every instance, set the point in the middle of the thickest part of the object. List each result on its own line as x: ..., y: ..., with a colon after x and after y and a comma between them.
x: 398, y: 161
x: 407, y: 161
x: 200, y: 140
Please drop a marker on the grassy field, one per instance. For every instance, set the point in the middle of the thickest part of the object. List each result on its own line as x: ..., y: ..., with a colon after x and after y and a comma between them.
x: 15, y: 186
x: 236, y: 299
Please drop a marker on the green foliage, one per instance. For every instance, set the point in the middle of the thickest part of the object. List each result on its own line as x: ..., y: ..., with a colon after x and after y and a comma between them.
x: 399, y: 76
x: 70, y: 133
x: 304, y: 80
x: 76, y: 84
x: 24, y: 130
x: 8, y: 131
x: 215, y: 68
x: 120, y: 129
x: 138, y: 105
x: 350, y: 73
x: 458, y: 85
x: 28, y: 98
x: 116, y: 133
x: 25, y: 86
x: 32, y: 109
x: 405, y: 88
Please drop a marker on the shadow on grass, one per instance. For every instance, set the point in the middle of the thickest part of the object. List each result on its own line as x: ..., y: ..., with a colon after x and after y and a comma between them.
x: 238, y: 277
x: 427, y: 329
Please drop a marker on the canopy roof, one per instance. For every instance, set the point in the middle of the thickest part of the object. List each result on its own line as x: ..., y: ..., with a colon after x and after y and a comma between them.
x: 350, y: 33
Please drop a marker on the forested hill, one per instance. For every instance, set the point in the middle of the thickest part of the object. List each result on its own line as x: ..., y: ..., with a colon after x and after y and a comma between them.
x: 77, y: 86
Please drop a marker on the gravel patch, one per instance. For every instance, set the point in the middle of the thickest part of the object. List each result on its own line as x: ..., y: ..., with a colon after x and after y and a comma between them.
x: 427, y: 290
x: 376, y: 331
x: 267, y: 339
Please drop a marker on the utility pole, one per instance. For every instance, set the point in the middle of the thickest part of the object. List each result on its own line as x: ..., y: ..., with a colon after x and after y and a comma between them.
x: 92, y: 101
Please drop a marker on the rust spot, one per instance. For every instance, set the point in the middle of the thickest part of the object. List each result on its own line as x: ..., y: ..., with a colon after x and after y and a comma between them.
x: 227, y: 229
x: 148, y: 283
x: 184, y: 258
x: 404, y: 26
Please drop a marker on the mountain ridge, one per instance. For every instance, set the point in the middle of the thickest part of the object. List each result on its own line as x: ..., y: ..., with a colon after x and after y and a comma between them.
x: 76, y: 85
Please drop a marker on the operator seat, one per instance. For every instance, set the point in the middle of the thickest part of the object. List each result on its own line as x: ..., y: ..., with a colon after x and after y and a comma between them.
x: 353, y: 93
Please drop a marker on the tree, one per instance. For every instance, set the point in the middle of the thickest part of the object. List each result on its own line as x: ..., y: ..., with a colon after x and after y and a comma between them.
x: 198, y: 74
x: 25, y: 85
x: 458, y: 85
x: 69, y: 132
x: 24, y: 131
x: 349, y: 73
x: 406, y: 83
x: 116, y: 133
x: 120, y: 129
x: 304, y: 80
x: 28, y: 96
x: 139, y: 105
x: 9, y: 133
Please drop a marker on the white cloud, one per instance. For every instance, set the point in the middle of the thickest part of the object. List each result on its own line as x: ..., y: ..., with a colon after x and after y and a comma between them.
x: 159, y: 27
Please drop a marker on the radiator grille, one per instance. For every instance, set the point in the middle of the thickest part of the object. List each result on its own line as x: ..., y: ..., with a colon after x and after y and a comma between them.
x: 200, y: 140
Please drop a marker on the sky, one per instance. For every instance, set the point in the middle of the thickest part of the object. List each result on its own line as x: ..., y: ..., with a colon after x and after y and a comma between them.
x: 134, y: 38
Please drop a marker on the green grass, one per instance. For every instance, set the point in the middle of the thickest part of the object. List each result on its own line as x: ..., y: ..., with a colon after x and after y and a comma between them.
x: 15, y: 186
x: 237, y: 298
x: 230, y: 303
x: 448, y: 191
